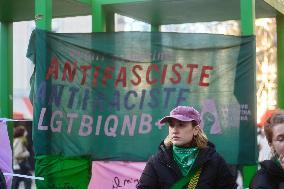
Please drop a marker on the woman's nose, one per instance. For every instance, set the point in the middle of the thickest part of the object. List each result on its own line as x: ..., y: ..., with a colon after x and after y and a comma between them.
x: 174, y: 129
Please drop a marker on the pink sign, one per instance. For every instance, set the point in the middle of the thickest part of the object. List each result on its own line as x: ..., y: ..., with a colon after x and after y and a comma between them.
x: 115, y: 174
x: 5, y: 152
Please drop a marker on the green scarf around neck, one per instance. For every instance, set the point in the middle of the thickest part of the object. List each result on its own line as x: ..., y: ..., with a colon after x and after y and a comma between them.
x: 277, y: 161
x: 185, y: 157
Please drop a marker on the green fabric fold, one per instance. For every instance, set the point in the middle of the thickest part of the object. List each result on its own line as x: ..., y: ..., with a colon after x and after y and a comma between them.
x: 185, y: 157
x: 59, y: 172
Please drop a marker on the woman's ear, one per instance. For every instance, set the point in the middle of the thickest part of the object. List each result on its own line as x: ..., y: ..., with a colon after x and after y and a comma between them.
x: 196, y: 130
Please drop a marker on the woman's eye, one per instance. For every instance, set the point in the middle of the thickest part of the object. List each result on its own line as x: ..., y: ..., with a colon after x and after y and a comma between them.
x: 280, y: 139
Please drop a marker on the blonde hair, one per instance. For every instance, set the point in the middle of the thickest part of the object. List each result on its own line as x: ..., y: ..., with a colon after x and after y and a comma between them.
x: 200, y: 139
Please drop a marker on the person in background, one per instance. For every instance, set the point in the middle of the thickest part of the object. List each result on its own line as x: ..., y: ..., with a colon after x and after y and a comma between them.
x: 20, y: 158
x: 186, y: 159
x: 271, y: 173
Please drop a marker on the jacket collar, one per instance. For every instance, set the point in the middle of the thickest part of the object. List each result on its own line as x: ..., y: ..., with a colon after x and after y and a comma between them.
x: 165, y: 156
x: 273, y: 169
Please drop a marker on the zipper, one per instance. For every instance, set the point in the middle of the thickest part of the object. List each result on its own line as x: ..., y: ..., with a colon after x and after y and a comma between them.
x: 169, y: 163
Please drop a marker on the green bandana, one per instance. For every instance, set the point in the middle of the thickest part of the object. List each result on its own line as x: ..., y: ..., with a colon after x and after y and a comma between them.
x: 277, y: 161
x: 185, y: 158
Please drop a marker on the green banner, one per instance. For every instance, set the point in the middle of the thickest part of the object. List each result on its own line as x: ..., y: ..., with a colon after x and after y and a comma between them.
x: 60, y: 173
x: 102, y: 94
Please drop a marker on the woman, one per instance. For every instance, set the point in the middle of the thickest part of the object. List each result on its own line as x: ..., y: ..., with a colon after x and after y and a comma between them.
x: 185, y: 158
x: 20, y: 158
x: 271, y: 174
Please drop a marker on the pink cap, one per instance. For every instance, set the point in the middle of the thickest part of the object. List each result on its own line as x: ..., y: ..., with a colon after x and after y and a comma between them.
x: 183, y: 113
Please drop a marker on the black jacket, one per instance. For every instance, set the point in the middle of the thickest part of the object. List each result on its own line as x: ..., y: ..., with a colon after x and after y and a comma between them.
x: 162, y: 172
x: 270, y: 176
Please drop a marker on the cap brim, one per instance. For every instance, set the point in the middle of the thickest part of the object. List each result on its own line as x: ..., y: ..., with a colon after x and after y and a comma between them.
x: 178, y: 117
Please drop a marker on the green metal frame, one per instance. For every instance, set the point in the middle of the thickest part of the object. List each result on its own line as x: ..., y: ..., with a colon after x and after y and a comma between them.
x: 155, y: 28
x: 280, y: 60
x: 248, y: 28
x: 107, y: 2
x: 43, y: 14
x: 247, y: 17
x: 98, y: 17
x: 6, y: 73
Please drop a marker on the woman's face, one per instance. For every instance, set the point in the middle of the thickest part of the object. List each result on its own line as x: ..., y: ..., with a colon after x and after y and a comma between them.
x: 278, y: 138
x: 181, y: 133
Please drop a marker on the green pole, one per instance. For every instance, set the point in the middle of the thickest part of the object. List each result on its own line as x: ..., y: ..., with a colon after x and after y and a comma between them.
x: 280, y: 60
x: 98, y: 17
x: 6, y: 73
x: 43, y: 14
x: 110, y: 23
x: 248, y: 28
x: 155, y: 28
x: 247, y: 17
x: 43, y: 19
